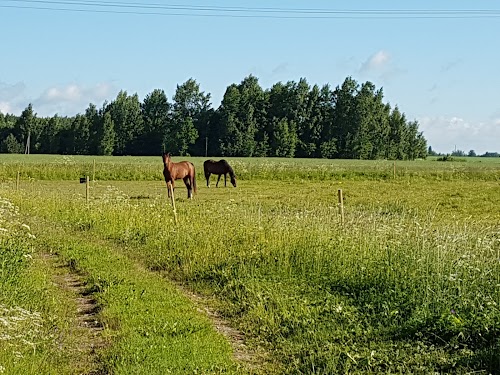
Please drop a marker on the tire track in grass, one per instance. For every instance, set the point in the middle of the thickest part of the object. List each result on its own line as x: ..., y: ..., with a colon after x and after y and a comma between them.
x: 68, y: 277
x: 91, y: 338
x: 156, y: 329
x: 252, y: 359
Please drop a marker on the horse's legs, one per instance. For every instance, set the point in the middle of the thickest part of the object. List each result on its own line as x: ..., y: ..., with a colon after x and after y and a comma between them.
x: 225, y: 179
x: 189, y: 186
x: 207, y: 176
x: 218, y: 179
x: 168, y: 187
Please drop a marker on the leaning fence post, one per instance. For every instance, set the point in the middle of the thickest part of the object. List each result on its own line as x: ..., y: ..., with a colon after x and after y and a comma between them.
x: 341, y: 207
x: 171, y: 191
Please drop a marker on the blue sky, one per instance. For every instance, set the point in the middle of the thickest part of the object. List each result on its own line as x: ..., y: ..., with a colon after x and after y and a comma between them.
x: 443, y: 71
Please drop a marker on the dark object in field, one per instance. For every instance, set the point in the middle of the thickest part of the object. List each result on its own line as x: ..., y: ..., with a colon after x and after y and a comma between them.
x: 219, y: 168
x: 175, y: 171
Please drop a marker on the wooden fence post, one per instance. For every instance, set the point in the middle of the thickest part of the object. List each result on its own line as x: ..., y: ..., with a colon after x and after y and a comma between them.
x: 18, y: 179
x: 341, y: 207
x: 171, y: 190
x: 87, y: 189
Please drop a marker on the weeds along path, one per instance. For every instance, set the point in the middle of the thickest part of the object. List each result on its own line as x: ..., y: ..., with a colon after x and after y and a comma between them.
x: 137, y: 320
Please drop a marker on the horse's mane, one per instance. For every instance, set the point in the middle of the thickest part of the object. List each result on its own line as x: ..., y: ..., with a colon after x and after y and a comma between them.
x: 229, y: 168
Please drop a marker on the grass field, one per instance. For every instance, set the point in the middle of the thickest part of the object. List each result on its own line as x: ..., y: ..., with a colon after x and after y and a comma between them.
x: 409, y: 284
x: 126, y: 168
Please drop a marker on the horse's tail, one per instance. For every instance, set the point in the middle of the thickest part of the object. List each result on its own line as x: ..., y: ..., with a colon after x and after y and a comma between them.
x: 206, y: 168
x: 194, y: 178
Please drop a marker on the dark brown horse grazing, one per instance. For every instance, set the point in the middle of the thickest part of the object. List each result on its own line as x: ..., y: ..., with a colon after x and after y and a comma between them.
x: 220, y: 168
x: 182, y: 170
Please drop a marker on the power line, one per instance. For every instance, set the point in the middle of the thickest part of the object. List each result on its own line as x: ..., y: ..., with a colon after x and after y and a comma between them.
x: 92, y: 6
x: 260, y: 9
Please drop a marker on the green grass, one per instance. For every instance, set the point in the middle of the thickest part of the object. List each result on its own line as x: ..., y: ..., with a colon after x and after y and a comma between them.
x: 37, y: 330
x: 410, y: 283
x: 152, y: 328
x: 113, y: 168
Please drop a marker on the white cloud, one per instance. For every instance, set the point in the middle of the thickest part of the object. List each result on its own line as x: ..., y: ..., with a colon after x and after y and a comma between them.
x: 445, y: 134
x: 380, y: 66
x: 10, y: 91
x: 65, y: 94
x: 377, y: 61
x: 10, y: 96
x: 71, y: 99
x: 65, y: 100
x: 5, y: 107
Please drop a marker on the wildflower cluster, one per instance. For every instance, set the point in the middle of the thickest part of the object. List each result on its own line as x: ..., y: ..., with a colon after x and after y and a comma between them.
x: 16, y: 242
x: 19, y: 328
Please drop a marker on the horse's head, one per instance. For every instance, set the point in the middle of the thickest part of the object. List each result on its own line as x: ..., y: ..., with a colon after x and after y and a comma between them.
x: 166, y: 167
x: 233, y: 180
x: 166, y: 158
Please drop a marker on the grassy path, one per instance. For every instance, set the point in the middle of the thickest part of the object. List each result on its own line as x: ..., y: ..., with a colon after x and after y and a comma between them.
x: 149, y: 325
x: 84, y: 334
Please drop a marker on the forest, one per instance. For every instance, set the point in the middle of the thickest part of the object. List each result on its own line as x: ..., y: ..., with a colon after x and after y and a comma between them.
x: 292, y: 119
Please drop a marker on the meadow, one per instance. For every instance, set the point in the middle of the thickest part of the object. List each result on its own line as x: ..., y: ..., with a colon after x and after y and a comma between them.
x: 410, y: 283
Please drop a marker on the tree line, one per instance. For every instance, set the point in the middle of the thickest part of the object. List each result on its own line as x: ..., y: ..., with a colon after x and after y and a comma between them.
x: 292, y: 119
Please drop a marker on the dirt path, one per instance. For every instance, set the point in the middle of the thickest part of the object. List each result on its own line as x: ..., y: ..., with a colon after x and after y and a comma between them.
x: 87, y: 328
x: 90, y: 330
x: 252, y: 359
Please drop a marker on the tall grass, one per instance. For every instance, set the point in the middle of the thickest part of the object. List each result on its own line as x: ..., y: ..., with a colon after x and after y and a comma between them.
x: 107, y: 168
x: 15, y: 254
x: 410, y: 283
x: 28, y: 313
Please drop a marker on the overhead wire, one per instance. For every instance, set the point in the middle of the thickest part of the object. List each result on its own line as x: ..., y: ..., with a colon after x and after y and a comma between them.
x: 94, y: 6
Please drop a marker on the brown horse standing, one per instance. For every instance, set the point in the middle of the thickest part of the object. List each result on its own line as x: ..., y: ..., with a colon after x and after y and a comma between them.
x: 183, y: 170
x: 220, y: 168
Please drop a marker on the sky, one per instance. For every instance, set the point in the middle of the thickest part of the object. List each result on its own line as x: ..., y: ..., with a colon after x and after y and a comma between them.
x: 438, y: 61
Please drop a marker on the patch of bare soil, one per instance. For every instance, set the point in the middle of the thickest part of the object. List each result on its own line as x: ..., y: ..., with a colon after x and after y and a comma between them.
x: 88, y: 327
